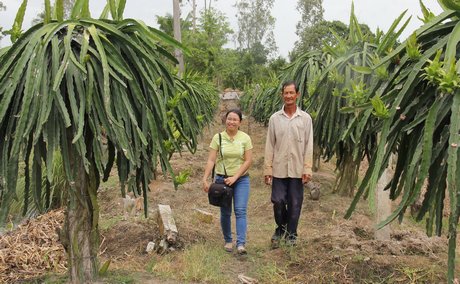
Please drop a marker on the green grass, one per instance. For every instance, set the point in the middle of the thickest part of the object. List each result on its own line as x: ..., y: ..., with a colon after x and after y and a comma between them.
x: 111, y: 183
x: 119, y: 277
x: 202, y: 263
x: 419, y: 275
x: 107, y: 223
x: 49, y: 279
x: 272, y: 272
x: 163, y: 267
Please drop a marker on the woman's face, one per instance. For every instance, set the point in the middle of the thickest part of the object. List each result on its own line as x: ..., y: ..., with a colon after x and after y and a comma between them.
x: 233, y: 121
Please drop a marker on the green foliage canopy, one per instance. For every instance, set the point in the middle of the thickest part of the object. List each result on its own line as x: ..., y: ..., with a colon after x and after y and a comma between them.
x: 66, y: 85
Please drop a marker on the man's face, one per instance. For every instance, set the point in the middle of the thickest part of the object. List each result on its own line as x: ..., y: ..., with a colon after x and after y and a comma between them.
x: 290, y: 95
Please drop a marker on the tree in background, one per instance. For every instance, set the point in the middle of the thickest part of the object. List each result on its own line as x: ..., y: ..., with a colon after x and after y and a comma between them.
x: 314, y: 32
x: 324, y: 33
x: 308, y: 29
x: 311, y: 12
x: 165, y: 24
x: 2, y: 8
x: 206, y: 44
x: 231, y: 75
x: 313, y: 37
x: 225, y: 67
x: 67, y: 6
x: 178, y: 36
x: 256, y: 24
x: 277, y: 65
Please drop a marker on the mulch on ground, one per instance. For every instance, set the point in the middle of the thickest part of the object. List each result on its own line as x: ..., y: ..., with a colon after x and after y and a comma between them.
x: 33, y: 249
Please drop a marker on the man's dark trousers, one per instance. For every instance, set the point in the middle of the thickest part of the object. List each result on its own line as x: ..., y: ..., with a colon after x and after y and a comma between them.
x: 287, y: 199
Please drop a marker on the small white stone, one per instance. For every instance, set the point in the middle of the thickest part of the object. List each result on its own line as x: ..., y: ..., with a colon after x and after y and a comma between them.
x: 150, y: 247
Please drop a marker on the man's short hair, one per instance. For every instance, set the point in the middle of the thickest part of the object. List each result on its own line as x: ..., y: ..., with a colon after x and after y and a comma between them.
x: 289, y: 83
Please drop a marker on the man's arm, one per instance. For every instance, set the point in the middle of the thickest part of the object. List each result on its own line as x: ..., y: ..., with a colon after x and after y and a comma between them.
x: 308, y: 158
x: 269, y: 152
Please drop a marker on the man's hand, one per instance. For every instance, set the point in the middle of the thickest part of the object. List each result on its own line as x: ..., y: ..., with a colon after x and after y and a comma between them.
x: 306, y: 178
x: 268, y: 180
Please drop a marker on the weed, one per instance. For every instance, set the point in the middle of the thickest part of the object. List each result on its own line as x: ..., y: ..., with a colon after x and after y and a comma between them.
x: 105, y: 224
x: 358, y: 258
x: 205, y: 263
x: 271, y: 272
x: 119, y: 277
x: 202, y: 262
x: 50, y: 279
x: 164, y: 266
x: 111, y: 183
x: 417, y: 275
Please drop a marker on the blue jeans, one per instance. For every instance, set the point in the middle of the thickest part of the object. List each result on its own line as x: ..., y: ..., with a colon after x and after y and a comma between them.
x: 240, y: 204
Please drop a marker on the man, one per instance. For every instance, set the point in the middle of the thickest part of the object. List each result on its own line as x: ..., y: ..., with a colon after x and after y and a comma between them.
x: 288, y: 163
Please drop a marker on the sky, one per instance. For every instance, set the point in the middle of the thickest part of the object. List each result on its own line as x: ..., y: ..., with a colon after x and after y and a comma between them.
x: 374, y: 13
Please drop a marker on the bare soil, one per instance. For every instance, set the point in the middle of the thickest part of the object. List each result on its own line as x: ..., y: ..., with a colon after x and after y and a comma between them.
x: 330, y: 248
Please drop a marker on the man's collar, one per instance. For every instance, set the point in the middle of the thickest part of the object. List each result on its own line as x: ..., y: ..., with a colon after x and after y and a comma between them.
x: 296, y: 113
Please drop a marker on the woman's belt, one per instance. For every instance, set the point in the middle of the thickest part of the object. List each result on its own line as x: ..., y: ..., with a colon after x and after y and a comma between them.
x: 223, y: 176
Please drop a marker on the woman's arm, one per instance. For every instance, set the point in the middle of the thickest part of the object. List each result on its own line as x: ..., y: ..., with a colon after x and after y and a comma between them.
x: 208, y: 169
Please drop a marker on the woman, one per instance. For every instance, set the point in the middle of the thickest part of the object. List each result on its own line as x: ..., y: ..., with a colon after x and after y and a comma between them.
x: 237, y: 157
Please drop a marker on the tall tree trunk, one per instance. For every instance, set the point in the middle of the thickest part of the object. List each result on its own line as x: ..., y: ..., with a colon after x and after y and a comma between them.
x: 383, y: 203
x: 178, y: 36
x: 194, y: 15
x: 80, y: 234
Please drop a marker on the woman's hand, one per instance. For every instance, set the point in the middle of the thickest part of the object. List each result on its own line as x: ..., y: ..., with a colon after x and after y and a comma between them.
x: 230, y: 180
x: 205, y: 186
